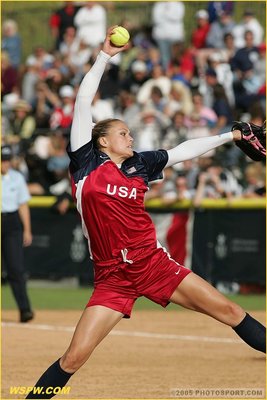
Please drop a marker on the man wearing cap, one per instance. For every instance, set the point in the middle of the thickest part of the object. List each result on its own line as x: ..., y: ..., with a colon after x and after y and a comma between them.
x: 16, y: 231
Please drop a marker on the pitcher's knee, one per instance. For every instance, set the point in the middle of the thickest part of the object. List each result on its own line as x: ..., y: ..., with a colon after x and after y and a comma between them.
x: 72, y: 360
x: 234, y: 313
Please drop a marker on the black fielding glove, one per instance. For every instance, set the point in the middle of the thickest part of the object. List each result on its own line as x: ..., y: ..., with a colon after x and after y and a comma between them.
x: 253, y: 142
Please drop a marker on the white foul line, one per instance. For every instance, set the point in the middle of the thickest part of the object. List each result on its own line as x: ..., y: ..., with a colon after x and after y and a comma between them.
x: 150, y: 335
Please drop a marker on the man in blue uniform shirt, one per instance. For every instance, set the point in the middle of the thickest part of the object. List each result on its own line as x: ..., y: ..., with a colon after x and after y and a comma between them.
x: 15, y: 231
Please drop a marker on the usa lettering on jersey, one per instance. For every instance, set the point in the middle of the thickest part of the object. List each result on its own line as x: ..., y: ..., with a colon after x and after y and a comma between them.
x: 121, y: 191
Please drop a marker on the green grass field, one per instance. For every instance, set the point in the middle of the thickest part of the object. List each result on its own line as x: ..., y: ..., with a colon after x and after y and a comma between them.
x: 75, y: 299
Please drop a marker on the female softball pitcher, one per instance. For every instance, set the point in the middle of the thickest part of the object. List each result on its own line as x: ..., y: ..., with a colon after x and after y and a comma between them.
x: 109, y: 182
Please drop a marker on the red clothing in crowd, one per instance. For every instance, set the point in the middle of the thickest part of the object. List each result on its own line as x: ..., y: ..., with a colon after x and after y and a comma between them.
x: 199, y: 36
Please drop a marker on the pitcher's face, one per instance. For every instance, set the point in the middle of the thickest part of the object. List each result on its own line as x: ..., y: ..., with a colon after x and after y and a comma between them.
x: 118, y: 143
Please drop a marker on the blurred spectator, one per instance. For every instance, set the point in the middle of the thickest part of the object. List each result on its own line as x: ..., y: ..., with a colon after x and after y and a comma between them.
x: 153, y: 58
x: 128, y: 57
x: 58, y: 162
x: 164, y: 189
x: 48, y: 164
x: 137, y: 77
x: 142, y: 36
x: 180, y: 99
x: 90, y: 22
x: 199, y: 34
x: 181, y: 58
x: 207, y: 85
x: 39, y: 178
x: 29, y: 81
x: 176, y: 133
x: 42, y: 60
x: 216, y: 182
x: 127, y: 108
x: 225, y: 53
x: 223, y: 110
x: 249, y: 23
x: 168, y: 26
x: 260, y: 67
x: 201, y: 121
x: 216, y: 8
x: 110, y: 84
x: 18, y: 162
x: 62, y: 115
x: 190, y: 168
x: 246, y: 57
x: 231, y: 158
x: 229, y: 155
x: 218, y: 29
x: 257, y: 114
x: 101, y: 109
x: 62, y: 19
x: 11, y: 42
x: 54, y: 79
x: 179, y: 221
x: 22, y: 124
x: 147, y: 129
x: 9, y: 76
x: 45, y: 102
x: 167, y: 190
x: 206, y: 114
x: 75, y: 54
x: 157, y: 101
x: 178, y: 228
x: 158, y: 79
x: 7, y: 110
x: 62, y: 64
x: 224, y: 74
x: 246, y: 88
x: 255, y: 179
x: 182, y: 189
x: 70, y: 43
x: 229, y: 49
x: 5, y: 127
x: 197, y: 127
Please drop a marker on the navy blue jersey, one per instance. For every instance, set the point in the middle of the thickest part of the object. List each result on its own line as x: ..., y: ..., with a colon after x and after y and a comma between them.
x: 147, y: 164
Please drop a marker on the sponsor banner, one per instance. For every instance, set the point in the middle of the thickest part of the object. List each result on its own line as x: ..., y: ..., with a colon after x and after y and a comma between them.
x: 229, y: 245
x: 219, y: 245
x: 59, y: 248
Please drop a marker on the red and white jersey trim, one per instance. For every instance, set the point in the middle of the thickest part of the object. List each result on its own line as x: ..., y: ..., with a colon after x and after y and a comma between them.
x: 78, y: 195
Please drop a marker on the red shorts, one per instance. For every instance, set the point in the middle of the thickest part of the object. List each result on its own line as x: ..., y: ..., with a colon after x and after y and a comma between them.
x: 152, y: 274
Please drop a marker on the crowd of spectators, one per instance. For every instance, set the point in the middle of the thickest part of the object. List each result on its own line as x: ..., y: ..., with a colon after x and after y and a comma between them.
x: 165, y: 89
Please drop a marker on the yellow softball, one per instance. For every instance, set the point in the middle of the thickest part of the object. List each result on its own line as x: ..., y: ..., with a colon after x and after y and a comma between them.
x: 120, y: 36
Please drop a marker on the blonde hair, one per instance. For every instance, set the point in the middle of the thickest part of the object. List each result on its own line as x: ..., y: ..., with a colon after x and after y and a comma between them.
x: 101, y: 129
x: 256, y: 171
x: 10, y: 24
